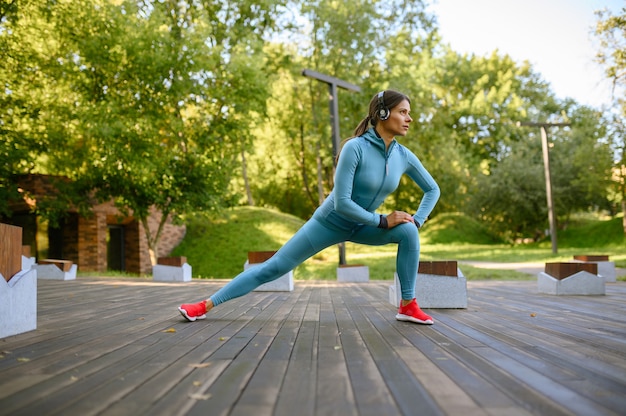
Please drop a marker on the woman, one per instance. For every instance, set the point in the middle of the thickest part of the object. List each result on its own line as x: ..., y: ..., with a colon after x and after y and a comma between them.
x: 369, y: 168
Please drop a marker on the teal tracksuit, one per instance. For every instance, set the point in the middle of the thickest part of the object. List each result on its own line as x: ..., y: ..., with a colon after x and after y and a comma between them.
x: 366, y: 174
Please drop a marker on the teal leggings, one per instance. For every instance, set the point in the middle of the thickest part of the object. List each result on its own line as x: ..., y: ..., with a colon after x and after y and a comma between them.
x: 315, y: 236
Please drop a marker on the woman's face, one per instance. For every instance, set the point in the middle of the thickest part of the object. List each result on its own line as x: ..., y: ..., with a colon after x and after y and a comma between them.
x: 398, y: 122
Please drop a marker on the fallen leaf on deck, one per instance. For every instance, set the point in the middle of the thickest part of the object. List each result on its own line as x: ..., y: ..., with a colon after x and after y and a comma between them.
x: 337, y: 347
x: 198, y: 396
x: 532, y: 315
x: 196, y: 383
x: 200, y: 365
x: 169, y: 330
x: 222, y: 338
x: 23, y: 359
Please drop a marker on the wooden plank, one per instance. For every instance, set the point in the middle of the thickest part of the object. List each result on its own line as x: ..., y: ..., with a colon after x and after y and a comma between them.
x: 561, y: 270
x: 263, y: 390
x: 172, y: 261
x: 299, y: 390
x: 370, y: 390
x: 440, y: 268
x: 63, y: 265
x: 401, y: 382
x: 10, y: 250
x: 591, y: 257
x: 259, y: 256
x: 334, y: 392
x: 100, y: 350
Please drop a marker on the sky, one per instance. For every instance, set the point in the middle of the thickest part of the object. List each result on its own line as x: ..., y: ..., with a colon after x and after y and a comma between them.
x: 553, y: 35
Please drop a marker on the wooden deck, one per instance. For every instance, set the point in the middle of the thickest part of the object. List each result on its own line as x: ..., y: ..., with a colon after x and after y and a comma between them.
x: 119, y: 347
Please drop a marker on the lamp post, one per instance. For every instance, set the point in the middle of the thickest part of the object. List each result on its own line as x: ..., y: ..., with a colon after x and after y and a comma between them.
x: 546, y: 166
x: 333, y: 83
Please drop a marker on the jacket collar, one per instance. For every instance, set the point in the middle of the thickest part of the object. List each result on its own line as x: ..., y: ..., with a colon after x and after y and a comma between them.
x: 372, y: 136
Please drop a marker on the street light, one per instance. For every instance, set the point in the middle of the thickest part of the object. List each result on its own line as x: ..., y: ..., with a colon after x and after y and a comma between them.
x: 546, y: 167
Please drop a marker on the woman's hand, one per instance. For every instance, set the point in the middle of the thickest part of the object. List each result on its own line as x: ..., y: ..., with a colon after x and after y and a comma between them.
x: 398, y: 217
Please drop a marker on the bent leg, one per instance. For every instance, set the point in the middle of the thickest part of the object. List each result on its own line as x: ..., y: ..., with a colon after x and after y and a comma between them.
x: 308, y: 240
x: 407, y: 259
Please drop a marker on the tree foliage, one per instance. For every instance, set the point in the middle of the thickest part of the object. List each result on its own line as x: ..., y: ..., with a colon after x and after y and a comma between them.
x: 188, y: 105
x: 611, y: 32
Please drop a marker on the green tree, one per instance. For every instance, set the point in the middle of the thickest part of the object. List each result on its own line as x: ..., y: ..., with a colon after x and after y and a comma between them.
x: 31, y: 98
x: 511, y: 196
x: 610, y: 30
x: 142, y: 102
x: 333, y: 40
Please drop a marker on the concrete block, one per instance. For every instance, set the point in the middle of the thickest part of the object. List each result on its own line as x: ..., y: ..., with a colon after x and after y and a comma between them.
x: 434, y: 291
x: 283, y: 284
x: 165, y: 273
x: 18, y: 303
x: 52, y: 272
x: 606, y: 269
x: 28, y: 262
x: 581, y: 283
x: 354, y: 273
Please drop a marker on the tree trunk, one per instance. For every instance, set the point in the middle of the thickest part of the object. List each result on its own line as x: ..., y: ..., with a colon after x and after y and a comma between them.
x: 320, y: 182
x: 153, y: 241
x: 624, y: 217
x: 302, y: 163
x: 244, y: 169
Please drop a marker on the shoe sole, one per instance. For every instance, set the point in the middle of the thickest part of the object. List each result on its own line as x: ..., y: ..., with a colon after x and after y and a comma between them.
x: 190, y: 318
x: 407, y: 318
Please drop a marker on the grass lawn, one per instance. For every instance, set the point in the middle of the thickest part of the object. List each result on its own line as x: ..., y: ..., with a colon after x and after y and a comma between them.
x: 218, y: 247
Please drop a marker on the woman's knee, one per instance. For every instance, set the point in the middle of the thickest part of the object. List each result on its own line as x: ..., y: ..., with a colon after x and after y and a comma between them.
x: 408, y: 232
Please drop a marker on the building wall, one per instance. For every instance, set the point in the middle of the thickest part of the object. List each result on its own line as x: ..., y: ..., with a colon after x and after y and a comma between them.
x: 92, y: 244
x: 85, y: 238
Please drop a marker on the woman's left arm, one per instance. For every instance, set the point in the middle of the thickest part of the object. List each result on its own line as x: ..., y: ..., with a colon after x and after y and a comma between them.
x: 418, y: 173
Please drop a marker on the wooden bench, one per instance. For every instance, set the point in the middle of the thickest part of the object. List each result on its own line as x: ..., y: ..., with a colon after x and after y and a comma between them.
x: 562, y: 270
x: 63, y: 265
x: 56, y: 269
x: 570, y: 278
x: 606, y: 268
x: 439, y: 284
x: 18, y: 287
x: 172, y: 269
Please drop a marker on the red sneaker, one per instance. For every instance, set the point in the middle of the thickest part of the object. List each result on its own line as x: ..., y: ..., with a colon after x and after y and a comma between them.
x: 412, y: 313
x: 193, y: 311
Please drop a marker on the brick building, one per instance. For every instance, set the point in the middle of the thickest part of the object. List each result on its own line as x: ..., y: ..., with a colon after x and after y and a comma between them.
x: 105, y: 240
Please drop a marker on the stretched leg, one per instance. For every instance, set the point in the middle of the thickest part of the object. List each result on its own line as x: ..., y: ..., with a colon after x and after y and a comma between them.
x: 313, y: 237
x: 407, y: 260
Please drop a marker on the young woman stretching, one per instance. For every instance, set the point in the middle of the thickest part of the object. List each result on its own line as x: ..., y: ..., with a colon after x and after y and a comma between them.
x: 369, y: 168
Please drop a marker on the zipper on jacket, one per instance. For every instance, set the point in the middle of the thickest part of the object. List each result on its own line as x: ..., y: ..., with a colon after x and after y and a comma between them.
x: 386, y: 153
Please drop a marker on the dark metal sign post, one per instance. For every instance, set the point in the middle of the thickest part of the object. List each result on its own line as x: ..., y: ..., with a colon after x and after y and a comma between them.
x: 546, y: 166
x: 333, y: 83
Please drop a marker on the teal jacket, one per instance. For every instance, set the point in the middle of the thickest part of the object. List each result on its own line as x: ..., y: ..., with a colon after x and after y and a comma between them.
x: 366, y: 174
